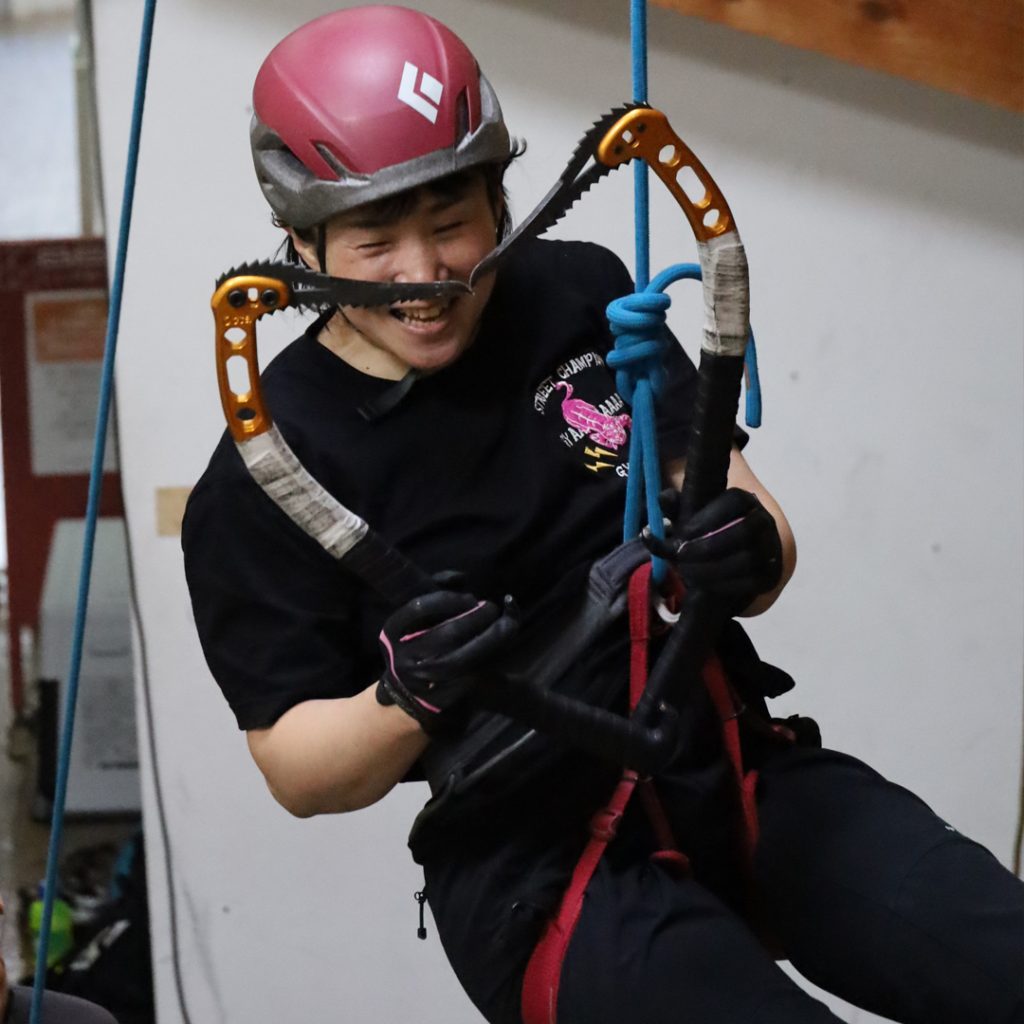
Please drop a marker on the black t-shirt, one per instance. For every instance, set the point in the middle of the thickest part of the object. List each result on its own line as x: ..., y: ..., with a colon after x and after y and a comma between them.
x: 508, y: 466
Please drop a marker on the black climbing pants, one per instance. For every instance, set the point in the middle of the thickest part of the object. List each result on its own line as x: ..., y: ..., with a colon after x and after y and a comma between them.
x: 870, y: 895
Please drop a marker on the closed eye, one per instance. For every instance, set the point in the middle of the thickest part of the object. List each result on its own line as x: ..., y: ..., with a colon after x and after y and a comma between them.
x: 449, y: 226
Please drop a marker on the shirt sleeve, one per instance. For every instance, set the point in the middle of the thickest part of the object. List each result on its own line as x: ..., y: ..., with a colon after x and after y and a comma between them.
x: 274, y: 612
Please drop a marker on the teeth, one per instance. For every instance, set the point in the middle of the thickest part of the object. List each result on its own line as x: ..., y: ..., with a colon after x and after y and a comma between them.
x: 419, y: 314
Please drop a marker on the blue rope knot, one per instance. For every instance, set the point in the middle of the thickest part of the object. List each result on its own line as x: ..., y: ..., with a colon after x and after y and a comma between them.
x: 641, y: 341
x: 637, y: 322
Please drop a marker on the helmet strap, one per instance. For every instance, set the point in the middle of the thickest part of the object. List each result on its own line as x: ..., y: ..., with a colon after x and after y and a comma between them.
x: 321, y: 247
x: 385, y: 402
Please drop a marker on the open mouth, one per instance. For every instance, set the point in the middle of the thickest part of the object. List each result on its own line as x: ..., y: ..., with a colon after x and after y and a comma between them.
x: 420, y: 314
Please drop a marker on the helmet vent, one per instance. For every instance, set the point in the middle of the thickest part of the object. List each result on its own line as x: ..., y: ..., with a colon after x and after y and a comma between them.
x: 461, y: 116
x: 331, y: 159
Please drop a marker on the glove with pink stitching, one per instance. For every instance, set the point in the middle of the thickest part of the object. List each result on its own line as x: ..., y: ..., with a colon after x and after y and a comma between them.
x: 730, y: 548
x: 435, y: 649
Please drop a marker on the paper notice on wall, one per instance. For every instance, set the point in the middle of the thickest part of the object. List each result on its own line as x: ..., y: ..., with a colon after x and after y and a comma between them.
x: 65, y: 332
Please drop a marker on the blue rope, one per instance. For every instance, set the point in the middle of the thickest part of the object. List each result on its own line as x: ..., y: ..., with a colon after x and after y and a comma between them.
x: 641, y: 192
x: 638, y: 323
x: 92, y: 513
x: 753, y: 383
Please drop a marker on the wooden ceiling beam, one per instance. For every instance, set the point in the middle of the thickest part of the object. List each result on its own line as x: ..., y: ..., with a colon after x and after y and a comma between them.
x: 974, y: 48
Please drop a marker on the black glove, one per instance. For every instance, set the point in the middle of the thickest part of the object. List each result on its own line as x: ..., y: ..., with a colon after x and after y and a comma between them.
x: 730, y: 548
x: 435, y: 647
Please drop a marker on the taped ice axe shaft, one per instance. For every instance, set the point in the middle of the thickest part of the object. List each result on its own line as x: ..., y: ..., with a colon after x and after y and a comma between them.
x: 646, y: 742
x: 237, y: 304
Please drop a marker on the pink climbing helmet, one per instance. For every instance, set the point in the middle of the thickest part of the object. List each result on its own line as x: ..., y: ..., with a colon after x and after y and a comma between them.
x: 366, y: 102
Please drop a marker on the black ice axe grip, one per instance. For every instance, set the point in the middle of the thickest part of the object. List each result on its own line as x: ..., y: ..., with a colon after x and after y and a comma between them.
x: 647, y: 741
x: 646, y: 746
x: 711, y: 436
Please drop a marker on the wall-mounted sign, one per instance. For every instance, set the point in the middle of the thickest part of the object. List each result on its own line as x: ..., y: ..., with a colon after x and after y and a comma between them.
x: 53, y: 312
x: 64, y: 335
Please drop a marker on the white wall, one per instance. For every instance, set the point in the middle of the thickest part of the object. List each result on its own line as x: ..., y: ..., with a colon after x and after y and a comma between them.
x: 27, y: 9
x: 883, y: 223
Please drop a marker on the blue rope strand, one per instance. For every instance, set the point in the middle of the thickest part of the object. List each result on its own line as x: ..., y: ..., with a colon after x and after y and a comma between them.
x: 92, y: 513
x: 641, y: 190
x: 753, y: 383
x: 638, y: 324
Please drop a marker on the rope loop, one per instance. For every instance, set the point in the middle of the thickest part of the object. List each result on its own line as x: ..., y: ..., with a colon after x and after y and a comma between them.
x: 637, y: 322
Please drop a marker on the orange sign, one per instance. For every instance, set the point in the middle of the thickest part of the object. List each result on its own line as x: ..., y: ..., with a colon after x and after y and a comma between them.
x: 68, y: 327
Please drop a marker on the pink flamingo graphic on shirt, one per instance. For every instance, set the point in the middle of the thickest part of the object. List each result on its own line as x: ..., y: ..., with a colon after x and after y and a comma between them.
x: 609, y: 431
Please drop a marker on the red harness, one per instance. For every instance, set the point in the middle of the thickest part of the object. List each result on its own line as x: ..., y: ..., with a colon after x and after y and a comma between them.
x: 543, y: 972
